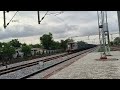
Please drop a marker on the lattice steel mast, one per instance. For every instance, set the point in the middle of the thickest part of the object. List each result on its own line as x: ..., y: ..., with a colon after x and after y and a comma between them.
x: 103, y: 33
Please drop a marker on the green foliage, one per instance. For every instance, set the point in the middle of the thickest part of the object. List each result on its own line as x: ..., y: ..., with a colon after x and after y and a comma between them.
x: 46, y: 41
x: 69, y: 40
x: 15, y: 43
x: 24, y: 44
x: 117, y: 41
x: 26, y: 50
x: 55, y: 45
x: 0, y: 44
x: 35, y: 46
x: 64, y: 43
x: 7, y: 51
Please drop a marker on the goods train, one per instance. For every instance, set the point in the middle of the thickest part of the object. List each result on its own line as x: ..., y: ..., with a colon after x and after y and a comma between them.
x: 75, y: 47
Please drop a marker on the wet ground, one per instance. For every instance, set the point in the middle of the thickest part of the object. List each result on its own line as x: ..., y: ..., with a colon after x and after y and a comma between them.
x: 90, y: 68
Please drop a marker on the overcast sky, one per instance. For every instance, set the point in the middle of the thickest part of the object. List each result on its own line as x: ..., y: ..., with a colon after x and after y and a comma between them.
x: 62, y: 26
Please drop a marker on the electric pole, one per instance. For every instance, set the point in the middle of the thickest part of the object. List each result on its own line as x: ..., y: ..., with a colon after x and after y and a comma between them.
x: 38, y: 17
x: 4, y: 19
x: 102, y: 38
x: 107, y: 29
x: 118, y: 14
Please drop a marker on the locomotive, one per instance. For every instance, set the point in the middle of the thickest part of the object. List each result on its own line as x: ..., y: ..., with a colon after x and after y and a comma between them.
x: 76, y: 47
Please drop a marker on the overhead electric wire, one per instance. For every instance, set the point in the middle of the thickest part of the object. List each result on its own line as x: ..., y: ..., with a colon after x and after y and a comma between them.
x: 41, y: 18
x: 44, y: 16
x: 56, y: 13
x: 59, y: 13
x: 62, y: 21
x: 12, y: 18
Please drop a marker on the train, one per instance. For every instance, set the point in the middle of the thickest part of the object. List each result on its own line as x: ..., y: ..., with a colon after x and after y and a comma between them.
x: 77, y: 46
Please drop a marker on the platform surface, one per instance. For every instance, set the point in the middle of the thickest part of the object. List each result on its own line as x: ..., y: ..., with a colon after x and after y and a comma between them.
x: 90, y: 68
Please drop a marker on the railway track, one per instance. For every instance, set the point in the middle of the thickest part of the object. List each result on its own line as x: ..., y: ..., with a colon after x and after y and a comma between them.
x: 15, y: 68
x: 19, y: 67
x: 77, y: 54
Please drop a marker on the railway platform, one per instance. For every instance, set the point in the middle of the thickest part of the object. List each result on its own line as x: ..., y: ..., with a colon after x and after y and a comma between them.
x: 89, y: 67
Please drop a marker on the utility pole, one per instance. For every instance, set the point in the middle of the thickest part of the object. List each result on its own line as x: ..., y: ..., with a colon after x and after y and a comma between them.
x: 4, y: 19
x: 38, y: 17
x: 98, y: 16
x: 118, y: 14
x: 102, y: 38
x: 107, y: 29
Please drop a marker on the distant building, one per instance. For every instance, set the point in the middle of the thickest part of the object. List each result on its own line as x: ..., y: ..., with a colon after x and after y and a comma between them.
x: 35, y: 51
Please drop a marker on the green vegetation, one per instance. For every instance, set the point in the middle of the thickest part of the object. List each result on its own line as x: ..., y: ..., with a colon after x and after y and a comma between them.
x: 64, y: 43
x: 8, y: 49
x: 48, y: 42
x: 115, y: 42
x: 26, y: 50
x: 15, y: 43
x: 35, y: 46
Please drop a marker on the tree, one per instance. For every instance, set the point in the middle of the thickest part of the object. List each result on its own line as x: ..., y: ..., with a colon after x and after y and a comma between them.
x: 69, y: 40
x: 55, y: 45
x: 24, y: 44
x: 64, y: 43
x: 8, y: 51
x: 15, y: 43
x: 117, y: 41
x: 26, y: 50
x: 35, y: 45
x: 46, y: 41
x: 0, y: 44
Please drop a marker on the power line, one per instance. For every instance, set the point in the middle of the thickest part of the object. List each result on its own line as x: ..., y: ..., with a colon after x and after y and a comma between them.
x: 39, y: 21
x: 61, y: 20
x: 44, y: 16
x: 57, y: 13
x: 12, y: 18
x: 4, y: 18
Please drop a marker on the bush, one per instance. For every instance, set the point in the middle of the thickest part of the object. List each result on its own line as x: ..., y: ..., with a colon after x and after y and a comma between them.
x: 117, y: 41
x: 7, y: 52
x: 26, y: 50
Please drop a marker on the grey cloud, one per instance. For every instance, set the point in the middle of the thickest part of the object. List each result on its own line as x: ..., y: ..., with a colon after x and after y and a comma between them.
x: 72, y: 23
x: 17, y: 32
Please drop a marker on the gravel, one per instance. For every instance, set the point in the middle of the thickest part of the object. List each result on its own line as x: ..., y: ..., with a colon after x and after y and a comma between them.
x: 30, y: 61
x: 29, y: 70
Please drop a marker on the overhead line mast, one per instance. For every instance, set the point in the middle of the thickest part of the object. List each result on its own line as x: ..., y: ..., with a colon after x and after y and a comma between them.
x: 103, y: 33
x: 118, y: 14
x: 4, y: 19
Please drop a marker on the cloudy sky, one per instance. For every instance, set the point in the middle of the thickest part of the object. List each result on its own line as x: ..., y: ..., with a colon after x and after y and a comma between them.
x: 62, y: 26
